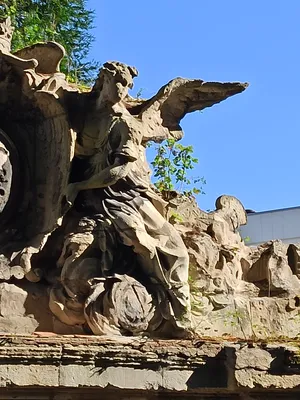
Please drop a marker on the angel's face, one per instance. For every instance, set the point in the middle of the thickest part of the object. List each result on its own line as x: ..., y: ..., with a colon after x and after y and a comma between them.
x: 116, y: 85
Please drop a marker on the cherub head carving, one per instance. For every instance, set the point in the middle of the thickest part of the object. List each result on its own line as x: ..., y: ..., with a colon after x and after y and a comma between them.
x: 6, y: 31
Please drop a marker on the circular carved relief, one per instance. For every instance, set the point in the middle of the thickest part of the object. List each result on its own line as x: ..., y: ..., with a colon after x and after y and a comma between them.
x: 8, y: 174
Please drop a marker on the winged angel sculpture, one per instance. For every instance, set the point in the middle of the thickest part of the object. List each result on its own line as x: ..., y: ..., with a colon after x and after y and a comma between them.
x: 123, y: 268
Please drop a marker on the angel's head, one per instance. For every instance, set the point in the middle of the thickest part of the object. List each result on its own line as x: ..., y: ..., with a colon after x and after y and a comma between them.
x: 114, y: 80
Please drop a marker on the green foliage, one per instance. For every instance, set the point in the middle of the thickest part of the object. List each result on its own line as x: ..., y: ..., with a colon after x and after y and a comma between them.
x: 65, y: 21
x: 171, y: 165
x: 175, y: 217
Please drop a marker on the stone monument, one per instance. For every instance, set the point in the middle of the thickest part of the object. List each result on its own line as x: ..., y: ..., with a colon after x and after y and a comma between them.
x: 86, y: 243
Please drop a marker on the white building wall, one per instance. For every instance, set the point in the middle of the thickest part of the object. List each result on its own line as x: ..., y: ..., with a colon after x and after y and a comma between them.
x: 277, y: 224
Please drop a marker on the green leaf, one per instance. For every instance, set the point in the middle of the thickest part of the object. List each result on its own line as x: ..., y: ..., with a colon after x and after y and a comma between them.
x: 171, y: 164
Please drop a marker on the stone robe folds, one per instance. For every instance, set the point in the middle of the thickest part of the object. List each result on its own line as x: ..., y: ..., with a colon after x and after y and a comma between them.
x: 135, y: 211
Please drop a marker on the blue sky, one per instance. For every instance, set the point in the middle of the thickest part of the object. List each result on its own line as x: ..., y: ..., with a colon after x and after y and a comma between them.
x: 249, y: 145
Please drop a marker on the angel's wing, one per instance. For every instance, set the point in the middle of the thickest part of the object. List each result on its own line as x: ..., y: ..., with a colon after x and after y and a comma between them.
x: 48, y: 55
x: 165, y: 110
x: 54, y: 149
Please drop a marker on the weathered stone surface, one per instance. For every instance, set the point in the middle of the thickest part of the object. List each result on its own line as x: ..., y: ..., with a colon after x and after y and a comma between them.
x: 294, y: 258
x: 119, y: 377
x: 18, y: 325
x: 29, y: 375
x: 13, y: 316
x: 272, y: 268
x: 118, y: 225
x: 87, y: 245
x: 253, y: 358
x: 12, y: 300
x: 273, y: 317
x: 236, y: 290
x: 94, y: 237
x: 251, y: 378
x: 183, y: 366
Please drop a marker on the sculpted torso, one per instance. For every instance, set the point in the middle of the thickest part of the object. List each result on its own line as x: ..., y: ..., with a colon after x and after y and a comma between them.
x: 111, y: 141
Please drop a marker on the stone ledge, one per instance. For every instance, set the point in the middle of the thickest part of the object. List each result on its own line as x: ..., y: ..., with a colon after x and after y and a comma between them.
x: 148, y: 366
x: 114, y: 394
